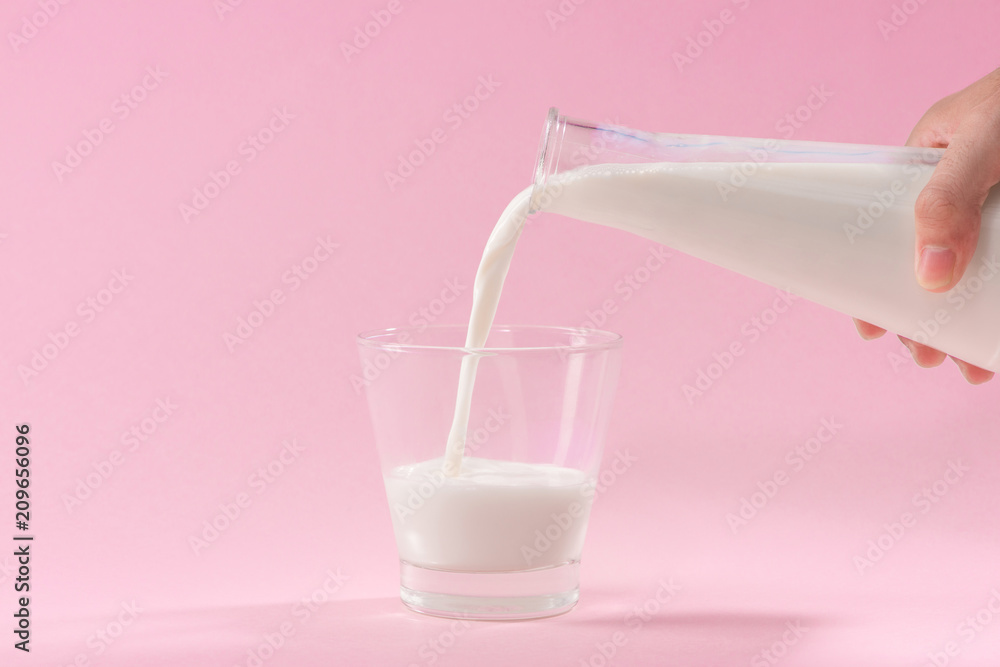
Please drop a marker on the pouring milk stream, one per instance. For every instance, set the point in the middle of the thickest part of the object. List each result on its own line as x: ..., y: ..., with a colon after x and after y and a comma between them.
x: 829, y: 222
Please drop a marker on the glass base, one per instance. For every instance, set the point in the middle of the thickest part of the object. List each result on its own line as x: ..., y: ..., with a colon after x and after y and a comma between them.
x: 491, y: 596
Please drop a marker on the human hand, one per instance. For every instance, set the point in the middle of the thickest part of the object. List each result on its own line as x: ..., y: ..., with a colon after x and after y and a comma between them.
x: 948, y: 210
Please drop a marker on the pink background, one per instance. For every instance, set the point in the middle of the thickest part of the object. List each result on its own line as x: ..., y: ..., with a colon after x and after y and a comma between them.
x: 164, y: 335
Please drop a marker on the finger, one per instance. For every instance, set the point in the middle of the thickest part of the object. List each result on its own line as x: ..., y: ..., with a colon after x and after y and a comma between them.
x: 867, y: 330
x: 948, y: 210
x: 926, y: 357
x: 973, y: 374
x: 936, y: 127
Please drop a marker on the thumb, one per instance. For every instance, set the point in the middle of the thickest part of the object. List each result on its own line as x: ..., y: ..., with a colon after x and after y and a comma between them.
x: 948, y: 210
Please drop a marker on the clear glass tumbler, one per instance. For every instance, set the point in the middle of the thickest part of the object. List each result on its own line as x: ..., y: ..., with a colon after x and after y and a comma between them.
x: 503, y: 539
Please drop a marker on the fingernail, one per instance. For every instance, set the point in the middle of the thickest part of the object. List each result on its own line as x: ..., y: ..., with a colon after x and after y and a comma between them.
x: 868, y: 331
x: 962, y: 367
x: 972, y: 374
x: 908, y: 344
x: 936, y: 267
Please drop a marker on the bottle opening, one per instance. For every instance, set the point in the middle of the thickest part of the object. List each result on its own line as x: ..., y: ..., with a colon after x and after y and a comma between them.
x: 547, y: 147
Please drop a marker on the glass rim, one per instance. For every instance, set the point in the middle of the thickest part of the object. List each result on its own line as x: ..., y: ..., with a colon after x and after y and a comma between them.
x: 602, y: 339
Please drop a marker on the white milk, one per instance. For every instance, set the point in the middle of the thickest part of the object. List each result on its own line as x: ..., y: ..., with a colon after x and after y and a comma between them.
x: 841, y: 235
x: 497, y: 516
x: 485, y: 297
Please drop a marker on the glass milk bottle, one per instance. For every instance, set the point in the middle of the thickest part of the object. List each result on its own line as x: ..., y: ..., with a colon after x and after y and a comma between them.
x: 830, y: 222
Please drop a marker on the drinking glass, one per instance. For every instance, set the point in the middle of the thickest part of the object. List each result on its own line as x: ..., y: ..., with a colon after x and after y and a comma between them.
x: 503, y: 538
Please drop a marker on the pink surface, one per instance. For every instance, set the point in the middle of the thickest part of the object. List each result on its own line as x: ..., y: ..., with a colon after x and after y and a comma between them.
x: 288, y: 139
